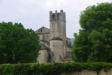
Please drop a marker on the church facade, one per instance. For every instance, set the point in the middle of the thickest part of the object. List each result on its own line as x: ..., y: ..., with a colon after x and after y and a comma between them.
x: 55, y: 46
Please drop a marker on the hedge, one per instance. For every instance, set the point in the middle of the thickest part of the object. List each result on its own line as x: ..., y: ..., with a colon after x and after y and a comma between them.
x: 50, y: 69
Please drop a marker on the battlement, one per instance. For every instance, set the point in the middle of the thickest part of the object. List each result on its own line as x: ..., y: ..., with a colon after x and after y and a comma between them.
x: 61, y: 11
x: 57, y: 15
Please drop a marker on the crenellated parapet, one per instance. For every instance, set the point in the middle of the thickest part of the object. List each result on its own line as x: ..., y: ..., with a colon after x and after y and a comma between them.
x: 57, y: 16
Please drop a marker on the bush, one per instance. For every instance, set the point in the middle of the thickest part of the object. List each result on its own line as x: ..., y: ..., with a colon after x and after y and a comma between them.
x: 51, y: 69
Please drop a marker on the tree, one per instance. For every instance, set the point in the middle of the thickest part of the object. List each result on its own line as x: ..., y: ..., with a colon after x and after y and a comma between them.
x: 94, y: 41
x: 17, y: 44
x: 94, y: 16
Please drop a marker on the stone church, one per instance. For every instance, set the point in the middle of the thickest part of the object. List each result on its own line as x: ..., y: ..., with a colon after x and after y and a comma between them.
x: 55, y: 46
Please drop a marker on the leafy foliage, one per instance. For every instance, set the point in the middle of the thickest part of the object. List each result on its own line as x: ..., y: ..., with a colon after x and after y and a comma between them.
x: 17, y: 44
x: 94, y: 17
x: 94, y: 41
x: 51, y: 69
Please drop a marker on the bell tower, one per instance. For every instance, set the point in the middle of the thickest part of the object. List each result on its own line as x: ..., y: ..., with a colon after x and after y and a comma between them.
x: 58, y: 35
x: 58, y: 24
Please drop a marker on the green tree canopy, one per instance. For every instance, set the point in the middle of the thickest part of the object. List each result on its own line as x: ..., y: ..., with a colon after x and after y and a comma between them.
x: 94, y: 41
x: 95, y: 16
x: 17, y: 44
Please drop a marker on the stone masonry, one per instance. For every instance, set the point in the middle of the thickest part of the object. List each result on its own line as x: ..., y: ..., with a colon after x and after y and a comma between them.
x: 53, y: 41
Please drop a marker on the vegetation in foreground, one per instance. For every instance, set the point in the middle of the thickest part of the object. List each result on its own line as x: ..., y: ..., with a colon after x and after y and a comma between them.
x: 51, y: 69
x: 94, y: 41
x: 17, y: 44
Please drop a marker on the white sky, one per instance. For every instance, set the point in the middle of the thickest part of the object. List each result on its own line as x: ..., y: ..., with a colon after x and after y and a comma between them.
x: 35, y: 13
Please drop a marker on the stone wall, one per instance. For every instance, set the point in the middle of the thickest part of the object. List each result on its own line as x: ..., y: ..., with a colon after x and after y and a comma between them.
x: 89, y: 72
x: 44, y: 34
x: 57, y: 50
x: 58, y: 24
x: 43, y: 56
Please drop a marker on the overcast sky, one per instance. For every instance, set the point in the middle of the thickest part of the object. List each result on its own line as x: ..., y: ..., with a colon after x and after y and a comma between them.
x: 35, y: 13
